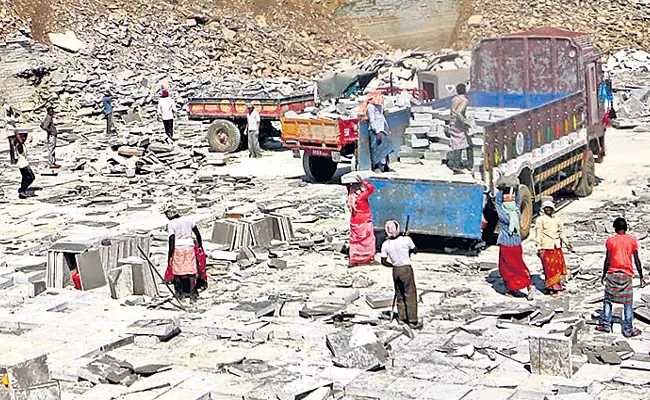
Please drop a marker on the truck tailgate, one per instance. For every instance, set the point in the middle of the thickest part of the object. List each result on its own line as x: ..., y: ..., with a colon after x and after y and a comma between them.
x: 318, y: 132
x: 439, y: 208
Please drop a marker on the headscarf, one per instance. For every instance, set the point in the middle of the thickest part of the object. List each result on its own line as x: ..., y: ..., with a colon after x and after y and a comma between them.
x: 171, y: 212
x: 165, y: 93
x: 511, y: 208
x: 352, y: 196
x: 392, y: 229
x: 375, y: 97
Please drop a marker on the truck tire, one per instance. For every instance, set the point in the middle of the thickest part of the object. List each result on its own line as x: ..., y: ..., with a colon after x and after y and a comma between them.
x: 318, y: 169
x: 223, y: 136
x: 588, y: 179
x: 526, y: 208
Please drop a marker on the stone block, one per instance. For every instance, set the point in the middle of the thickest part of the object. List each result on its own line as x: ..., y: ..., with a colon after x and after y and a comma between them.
x: 120, y: 281
x: 302, y: 387
x: 570, y: 386
x: 277, y: 263
x: 47, y: 391
x: 380, y: 299
x: 334, y: 296
x: 36, y: 288
x: 142, y: 276
x: 91, y: 272
x: 28, y: 373
x: 551, y: 355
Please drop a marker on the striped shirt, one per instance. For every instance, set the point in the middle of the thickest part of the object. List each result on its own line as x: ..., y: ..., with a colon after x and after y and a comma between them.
x: 505, y: 238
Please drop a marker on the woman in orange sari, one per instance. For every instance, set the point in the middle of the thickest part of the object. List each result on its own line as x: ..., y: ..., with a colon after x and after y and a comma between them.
x: 362, y: 233
x: 549, y: 238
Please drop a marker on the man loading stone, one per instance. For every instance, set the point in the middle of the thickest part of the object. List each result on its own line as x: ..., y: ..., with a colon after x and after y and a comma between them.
x: 398, y: 248
x: 377, y: 130
x: 459, y: 133
x: 108, y: 113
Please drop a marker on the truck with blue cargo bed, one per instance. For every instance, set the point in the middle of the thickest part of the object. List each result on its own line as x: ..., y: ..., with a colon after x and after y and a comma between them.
x: 542, y: 86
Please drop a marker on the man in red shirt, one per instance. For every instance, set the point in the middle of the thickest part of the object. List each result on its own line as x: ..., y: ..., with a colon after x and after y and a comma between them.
x: 617, y: 277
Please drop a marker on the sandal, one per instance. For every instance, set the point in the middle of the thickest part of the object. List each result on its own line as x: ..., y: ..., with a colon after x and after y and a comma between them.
x: 601, y: 328
x: 635, y: 332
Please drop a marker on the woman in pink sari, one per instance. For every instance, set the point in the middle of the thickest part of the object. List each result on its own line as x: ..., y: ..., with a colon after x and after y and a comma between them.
x: 362, y: 233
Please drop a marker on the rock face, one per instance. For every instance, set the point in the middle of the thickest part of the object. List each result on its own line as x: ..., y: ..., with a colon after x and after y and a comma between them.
x: 614, y: 24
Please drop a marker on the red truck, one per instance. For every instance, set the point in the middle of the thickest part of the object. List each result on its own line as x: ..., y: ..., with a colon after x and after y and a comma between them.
x: 228, y: 116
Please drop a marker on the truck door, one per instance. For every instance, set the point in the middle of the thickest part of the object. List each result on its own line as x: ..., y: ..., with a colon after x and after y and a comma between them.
x: 592, y: 95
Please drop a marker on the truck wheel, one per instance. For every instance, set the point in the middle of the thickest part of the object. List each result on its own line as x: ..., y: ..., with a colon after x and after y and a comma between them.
x: 588, y: 179
x: 223, y: 136
x: 526, y: 208
x: 318, y: 169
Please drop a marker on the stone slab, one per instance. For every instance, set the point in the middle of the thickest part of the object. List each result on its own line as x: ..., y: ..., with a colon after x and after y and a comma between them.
x: 551, y: 355
x: 120, y: 281
x: 29, y: 373
x: 91, y: 272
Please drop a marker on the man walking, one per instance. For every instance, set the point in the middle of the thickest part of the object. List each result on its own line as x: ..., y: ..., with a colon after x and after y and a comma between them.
x: 25, y: 171
x: 108, y: 113
x: 398, y: 248
x: 48, y: 126
x: 617, y: 278
x: 166, y: 110
x: 253, y: 120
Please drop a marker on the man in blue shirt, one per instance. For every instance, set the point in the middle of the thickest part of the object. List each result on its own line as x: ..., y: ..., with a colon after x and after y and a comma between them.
x: 378, y: 129
x: 108, y: 113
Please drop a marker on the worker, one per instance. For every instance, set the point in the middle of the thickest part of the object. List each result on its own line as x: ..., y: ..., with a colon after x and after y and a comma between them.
x: 512, y: 268
x: 362, y: 233
x: 181, y: 254
x: 253, y: 126
x: 618, y: 271
x: 12, y: 136
x: 108, y: 113
x: 398, y: 249
x: 550, y: 238
x: 26, y: 173
x: 378, y: 130
x: 50, y: 128
x: 459, y: 133
x: 166, y: 110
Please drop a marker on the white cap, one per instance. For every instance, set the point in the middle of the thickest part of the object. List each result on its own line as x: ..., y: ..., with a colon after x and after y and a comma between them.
x: 548, y: 203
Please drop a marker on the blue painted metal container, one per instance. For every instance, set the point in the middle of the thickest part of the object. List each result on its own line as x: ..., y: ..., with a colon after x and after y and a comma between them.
x: 439, y: 208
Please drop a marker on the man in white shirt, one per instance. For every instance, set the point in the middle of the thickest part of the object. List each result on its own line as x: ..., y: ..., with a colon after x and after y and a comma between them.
x: 10, y: 118
x: 166, y: 110
x: 253, y: 120
x: 398, y: 248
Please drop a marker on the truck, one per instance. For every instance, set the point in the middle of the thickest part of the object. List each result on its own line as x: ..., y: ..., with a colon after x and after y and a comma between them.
x: 549, y: 141
x: 323, y: 143
x: 228, y: 116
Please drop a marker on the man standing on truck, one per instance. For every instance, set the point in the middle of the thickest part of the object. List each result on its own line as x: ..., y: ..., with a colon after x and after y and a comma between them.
x: 378, y: 129
x: 253, y: 122
x: 459, y: 133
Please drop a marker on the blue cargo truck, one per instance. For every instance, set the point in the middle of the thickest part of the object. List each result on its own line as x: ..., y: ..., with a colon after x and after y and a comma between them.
x: 550, y: 142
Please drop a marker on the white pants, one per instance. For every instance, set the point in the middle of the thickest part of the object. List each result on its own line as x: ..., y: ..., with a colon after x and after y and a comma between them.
x: 51, y: 147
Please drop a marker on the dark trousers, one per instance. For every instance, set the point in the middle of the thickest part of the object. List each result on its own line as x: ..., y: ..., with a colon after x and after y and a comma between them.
x: 12, y: 149
x: 169, y: 127
x: 406, y: 293
x: 110, y: 125
x: 28, y: 179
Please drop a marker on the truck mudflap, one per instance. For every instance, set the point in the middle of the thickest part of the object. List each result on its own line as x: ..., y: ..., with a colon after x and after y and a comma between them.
x: 438, y: 208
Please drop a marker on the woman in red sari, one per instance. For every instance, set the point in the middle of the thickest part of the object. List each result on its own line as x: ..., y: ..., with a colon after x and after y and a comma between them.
x: 550, y: 239
x: 362, y: 233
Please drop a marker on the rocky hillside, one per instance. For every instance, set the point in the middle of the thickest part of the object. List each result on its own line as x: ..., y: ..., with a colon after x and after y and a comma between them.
x: 248, y: 37
x: 614, y: 23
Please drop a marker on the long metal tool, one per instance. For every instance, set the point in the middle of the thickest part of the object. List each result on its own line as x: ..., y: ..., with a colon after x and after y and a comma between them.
x: 153, y: 268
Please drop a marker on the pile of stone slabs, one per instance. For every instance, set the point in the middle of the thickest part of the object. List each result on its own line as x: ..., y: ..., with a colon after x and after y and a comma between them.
x: 235, y: 234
